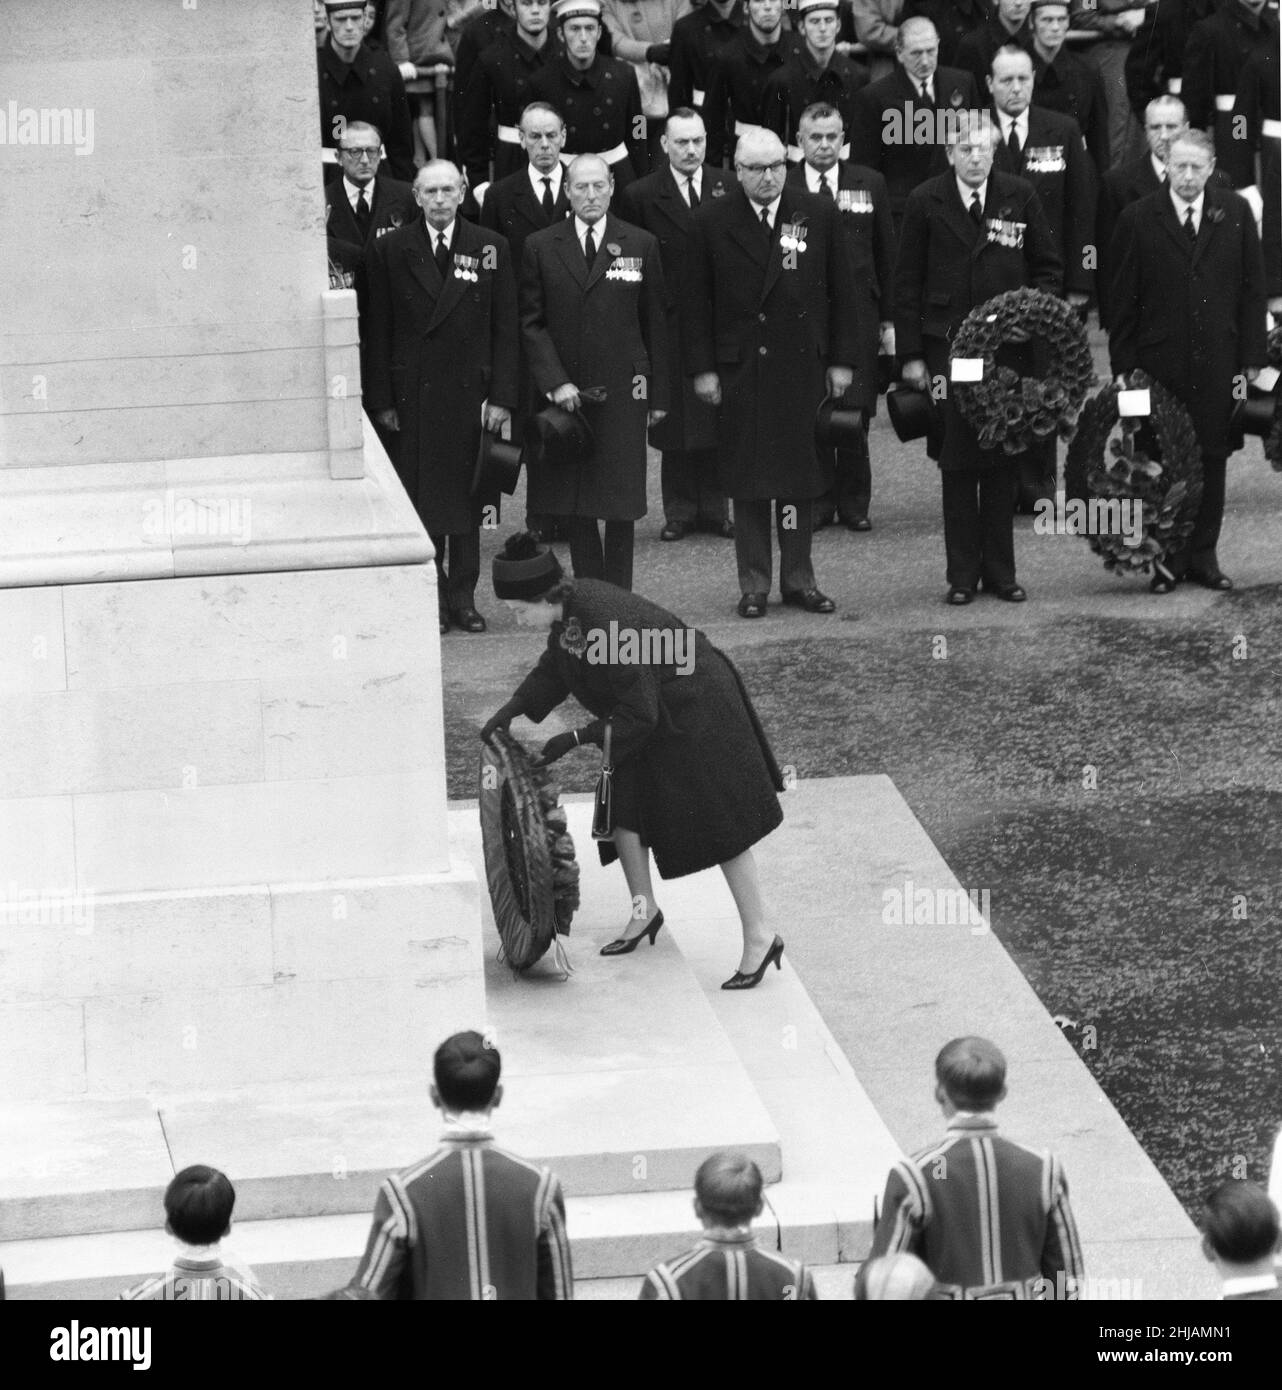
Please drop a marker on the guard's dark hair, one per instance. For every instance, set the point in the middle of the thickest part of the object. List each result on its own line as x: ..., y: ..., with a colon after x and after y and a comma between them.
x: 198, y: 1205
x: 1241, y: 1223
x: 466, y: 1070
x: 820, y: 111
x: 972, y: 1072
x: 728, y: 1186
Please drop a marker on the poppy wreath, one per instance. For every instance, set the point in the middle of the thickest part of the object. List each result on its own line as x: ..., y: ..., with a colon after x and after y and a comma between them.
x: 1155, y: 459
x: 1010, y: 411
x: 1273, y: 443
x: 530, y: 868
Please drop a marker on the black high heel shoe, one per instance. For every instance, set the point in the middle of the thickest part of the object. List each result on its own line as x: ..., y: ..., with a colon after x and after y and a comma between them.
x: 621, y: 945
x: 741, y: 981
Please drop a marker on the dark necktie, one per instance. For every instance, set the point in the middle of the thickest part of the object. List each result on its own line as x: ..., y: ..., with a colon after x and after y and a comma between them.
x: 589, y: 248
x: 1190, y: 230
x: 926, y: 97
x: 362, y: 213
x: 1012, y: 142
x: 825, y: 188
x: 765, y: 222
x: 976, y: 209
x: 549, y: 203
x: 692, y: 193
x: 442, y: 254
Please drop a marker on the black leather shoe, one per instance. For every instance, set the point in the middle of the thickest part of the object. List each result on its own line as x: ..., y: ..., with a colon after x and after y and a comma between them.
x: 812, y: 600
x: 1162, y: 584
x: 625, y: 945
x: 858, y: 523
x: 740, y: 980
x: 959, y: 597
x: 1009, y: 593
x: 445, y: 622
x: 1211, y: 579
x: 819, y: 520
x: 752, y: 606
x: 675, y: 531
x: 468, y: 619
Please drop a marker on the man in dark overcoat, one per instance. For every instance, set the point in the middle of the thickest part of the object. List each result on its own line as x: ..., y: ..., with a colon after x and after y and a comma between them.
x: 664, y: 204
x: 1214, y: 55
x: 594, y: 315
x: 817, y: 72
x: 443, y: 348
x: 969, y: 235
x: 863, y: 207
x: 1188, y: 307
x: 1008, y: 24
x: 772, y: 331
x: 1063, y: 82
x: 1047, y: 149
x: 358, y: 83
x: 737, y: 83
x: 698, y: 40
x: 893, y: 114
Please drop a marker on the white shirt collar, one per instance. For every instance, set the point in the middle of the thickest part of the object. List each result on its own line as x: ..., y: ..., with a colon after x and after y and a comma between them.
x: 1158, y: 168
x: 966, y: 193
x: 1249, y: 1283
x: 1181, y: 207
x: 814, y: 177
x: 1021, y: 125
x: 433, y: 235
x: 354, y: 191
x: 773, y: 208
x: 681, y: 180
x: 536, y: 180
x: 581, y: 230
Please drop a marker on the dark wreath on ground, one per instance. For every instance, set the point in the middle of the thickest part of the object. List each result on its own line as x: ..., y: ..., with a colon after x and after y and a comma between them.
x: 1010, y: 411
x: 1153, y: 460
x: 530, y: 867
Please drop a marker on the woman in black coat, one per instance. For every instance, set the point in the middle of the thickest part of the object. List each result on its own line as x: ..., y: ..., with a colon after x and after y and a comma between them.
x: 694, y: 778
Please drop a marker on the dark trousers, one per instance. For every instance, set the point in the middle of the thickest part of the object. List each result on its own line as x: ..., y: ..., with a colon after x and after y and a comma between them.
x: 592, y: 560
x: 979, y: 525
x: 1036, y: 473
x: 792, y: 518
x: 1198, y: 554
x: 456, y: 582
x: 851, y: 492
x: 690, y: 491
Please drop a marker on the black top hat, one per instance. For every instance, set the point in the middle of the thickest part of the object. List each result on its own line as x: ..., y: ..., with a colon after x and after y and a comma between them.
x: 557, y: 436
x: 498, y: 466
x: 838, y: 426
x: 1254, y: 414
x: 913, y: 415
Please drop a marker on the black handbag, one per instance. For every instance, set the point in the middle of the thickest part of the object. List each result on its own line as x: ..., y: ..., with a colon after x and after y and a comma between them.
x: 603, y: 805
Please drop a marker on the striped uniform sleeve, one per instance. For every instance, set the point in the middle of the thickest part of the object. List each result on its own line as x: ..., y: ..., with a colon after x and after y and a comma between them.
x: 1062, y: 1249
x: 659, y: 1285
x: 904, y: 1212
x: 556, y: 1271
x: 386, y: 1252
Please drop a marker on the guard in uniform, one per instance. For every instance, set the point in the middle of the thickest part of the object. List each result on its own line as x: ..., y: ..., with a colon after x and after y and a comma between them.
x: 597, y: 96
x: 664, y: 203
x: 1155, y: 63
x: 1256, y: 168
x: 863, y: 207
x: 738, y: 83
x: 1009, y: 24
x: 953, y: 20
x: 968, y: 235
x: 698, y: 40
x: 360, y: 84
x: 1214, y: 56
x: 818, y: 73
x: 1063, y: 83
x: 497, y: 92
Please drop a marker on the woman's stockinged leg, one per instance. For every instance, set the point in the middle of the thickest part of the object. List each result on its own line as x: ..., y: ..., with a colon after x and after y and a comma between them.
x: 741, y: 875
x: 635, y: 859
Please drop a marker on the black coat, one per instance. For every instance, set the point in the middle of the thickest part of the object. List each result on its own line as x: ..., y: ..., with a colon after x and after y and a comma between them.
x: 1055, y: 162
x: 1155, y: 59
x: 870, y: 238
x: 737, y: 87
x: 656, y: 204
x: 594, y: 328
x: 437, y: 351
x: 701, y: 775
x: 392, y: 205
x: 698, y: 39
x: 975, y: 51
x: 498, y: 87
x: 891, y: 105
x: 953, y: 20
x: 511, y: 209
x: 947, y: 266
x: 370, y: 89
x: 770, y: 320
x: 1214, y: 56
x: 601, y: 107
x: 1193, y: 316
x: 1259, y: 97
x: 800, y: 83
x: 1074, y: 88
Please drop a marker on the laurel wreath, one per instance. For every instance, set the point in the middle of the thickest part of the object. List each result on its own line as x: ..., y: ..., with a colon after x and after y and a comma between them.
x: 530, y: 868
x: 1154, y: 459
x: 1005, y: 409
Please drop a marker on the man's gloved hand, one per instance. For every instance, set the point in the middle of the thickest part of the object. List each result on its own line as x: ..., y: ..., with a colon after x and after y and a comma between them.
x: 557, y: 747
x: 500, y: 720
x: 659, y: 53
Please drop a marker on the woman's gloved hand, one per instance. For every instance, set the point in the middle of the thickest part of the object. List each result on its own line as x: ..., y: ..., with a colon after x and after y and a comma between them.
x: 500, y: 720
x: 557, y: 747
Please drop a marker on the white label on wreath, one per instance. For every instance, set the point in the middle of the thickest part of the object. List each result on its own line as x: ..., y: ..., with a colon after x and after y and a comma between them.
x: 1132, y: 403
x: 968, y: 369
x: 1267, y: 379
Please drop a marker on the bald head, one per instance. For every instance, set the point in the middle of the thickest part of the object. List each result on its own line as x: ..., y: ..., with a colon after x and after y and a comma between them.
x: 589, y: 186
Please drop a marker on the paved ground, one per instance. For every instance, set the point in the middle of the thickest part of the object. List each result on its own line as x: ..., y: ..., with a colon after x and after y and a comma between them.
x: 1144, y: 908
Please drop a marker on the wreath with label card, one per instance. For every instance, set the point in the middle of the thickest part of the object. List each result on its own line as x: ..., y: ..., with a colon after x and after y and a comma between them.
x: 1013, y: 412
x: 1153, y: 459
x: 530, y: 868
